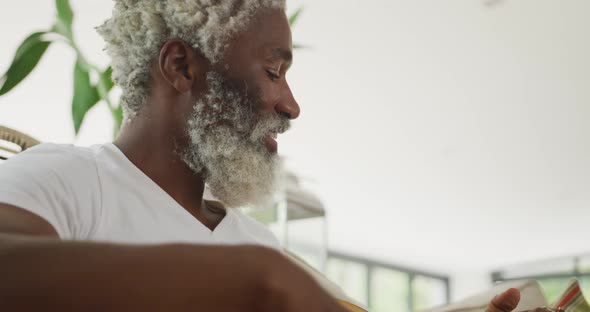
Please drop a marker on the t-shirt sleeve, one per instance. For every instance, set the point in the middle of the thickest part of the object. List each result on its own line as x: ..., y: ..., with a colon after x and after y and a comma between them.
x: 59, y: 183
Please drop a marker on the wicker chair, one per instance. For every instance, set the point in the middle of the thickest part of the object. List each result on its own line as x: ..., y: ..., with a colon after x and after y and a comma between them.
x: 17, y: 142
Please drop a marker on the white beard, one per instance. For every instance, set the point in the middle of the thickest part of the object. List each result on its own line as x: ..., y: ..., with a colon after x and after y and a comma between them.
x: 226, y: 145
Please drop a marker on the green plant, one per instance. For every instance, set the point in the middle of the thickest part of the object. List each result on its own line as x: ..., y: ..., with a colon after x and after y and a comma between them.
x: 86, y: 92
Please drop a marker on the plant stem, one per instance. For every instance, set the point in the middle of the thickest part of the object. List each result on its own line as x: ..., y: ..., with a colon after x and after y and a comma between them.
x: 100, y: 87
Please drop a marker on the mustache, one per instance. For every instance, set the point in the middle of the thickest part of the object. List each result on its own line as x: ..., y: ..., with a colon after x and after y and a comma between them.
x: 269, y: 124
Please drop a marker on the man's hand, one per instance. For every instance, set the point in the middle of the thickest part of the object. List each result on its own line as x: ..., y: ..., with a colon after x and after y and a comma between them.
x: 505, y: 302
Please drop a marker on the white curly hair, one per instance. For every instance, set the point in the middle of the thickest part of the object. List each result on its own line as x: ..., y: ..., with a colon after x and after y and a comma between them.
x: 138, y: 29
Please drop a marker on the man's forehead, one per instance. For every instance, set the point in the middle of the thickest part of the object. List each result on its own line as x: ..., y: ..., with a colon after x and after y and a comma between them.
x: 269, y: 27
x: 269, y: 34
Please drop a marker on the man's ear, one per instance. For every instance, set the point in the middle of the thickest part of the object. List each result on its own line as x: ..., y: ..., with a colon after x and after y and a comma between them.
x: 178, y: 65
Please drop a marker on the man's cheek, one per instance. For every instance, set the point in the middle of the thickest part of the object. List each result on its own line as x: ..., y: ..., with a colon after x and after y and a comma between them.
x: 267, y: 102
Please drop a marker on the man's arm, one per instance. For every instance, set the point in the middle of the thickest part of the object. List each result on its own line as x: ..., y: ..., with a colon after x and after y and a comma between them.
x: 19, y: 221
x: 39, y: 271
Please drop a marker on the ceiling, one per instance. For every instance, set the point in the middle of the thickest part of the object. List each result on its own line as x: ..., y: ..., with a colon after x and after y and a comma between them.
x: 442, y: 135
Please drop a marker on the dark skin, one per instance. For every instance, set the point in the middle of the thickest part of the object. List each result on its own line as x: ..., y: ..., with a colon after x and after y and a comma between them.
x: 84, y: 276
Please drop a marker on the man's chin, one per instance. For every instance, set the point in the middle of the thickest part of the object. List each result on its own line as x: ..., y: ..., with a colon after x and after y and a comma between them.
x: 246, y: 181
x: 257, y: 200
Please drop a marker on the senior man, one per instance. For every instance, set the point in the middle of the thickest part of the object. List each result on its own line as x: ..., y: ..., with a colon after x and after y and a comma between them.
x: 124, y: 226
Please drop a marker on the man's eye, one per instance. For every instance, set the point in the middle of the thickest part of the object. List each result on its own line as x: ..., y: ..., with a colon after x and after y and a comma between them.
x: 274, y: 76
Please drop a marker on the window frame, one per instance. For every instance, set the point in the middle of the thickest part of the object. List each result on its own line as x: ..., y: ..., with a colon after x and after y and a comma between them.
x: 412, y: 273
x: 576, y: 272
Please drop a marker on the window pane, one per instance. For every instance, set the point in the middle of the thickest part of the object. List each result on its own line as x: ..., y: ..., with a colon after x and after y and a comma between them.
x: 351, y: 276
x: 389, y: 291
x: 305, y: 237
x: 585, y: 284
x: 584, y: 264
x: 428, y: 292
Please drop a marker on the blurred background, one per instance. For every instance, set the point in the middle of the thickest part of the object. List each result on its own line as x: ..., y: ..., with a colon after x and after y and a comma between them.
x: 442, y: 145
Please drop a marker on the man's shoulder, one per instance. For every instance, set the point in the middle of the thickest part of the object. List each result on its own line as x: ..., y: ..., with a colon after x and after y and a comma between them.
x: 56, y: 151
x: 59, y: 182
x: 58, y: 158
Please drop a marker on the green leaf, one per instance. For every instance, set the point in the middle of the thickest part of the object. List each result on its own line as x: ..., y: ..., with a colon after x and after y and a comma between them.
x: 65, y: 14
x: 31, y: 40
x: 106, y: 80
x: 27, y: 56
x: 118, y: 118
x: 85, y: 95
x: 293, y: 18
x: 297, y: 46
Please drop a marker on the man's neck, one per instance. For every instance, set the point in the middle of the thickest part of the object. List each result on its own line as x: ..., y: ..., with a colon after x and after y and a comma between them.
x: 157, y: 151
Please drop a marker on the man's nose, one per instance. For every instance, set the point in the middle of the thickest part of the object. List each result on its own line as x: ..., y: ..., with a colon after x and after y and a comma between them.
x: 288, y: 106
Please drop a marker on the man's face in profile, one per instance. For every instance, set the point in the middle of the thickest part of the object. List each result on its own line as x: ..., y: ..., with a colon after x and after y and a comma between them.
x: 247, y: 103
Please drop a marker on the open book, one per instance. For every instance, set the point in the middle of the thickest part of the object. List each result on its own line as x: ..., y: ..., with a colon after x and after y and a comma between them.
x: 531, y: 297
x: 327, y: 285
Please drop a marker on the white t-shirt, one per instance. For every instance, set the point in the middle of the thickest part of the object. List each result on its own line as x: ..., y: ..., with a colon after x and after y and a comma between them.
x: 97, y: 194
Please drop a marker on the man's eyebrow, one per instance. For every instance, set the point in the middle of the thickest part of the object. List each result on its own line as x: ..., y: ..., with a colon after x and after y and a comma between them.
x: 286, y: 55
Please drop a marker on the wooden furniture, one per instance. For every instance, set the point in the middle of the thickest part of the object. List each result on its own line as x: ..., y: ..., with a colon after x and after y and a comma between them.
x: 13, y: 142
